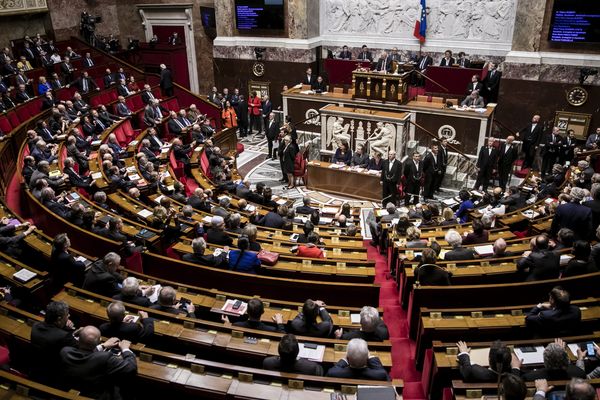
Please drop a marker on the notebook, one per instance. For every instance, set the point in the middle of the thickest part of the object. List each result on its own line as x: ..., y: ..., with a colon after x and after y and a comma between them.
x: 24, y: 275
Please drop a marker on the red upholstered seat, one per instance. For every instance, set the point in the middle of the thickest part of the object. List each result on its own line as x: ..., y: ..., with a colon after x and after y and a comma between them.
x: 176, y: 165
x: 4, y: 355
x: 13, y: 118
x: 5, y: 125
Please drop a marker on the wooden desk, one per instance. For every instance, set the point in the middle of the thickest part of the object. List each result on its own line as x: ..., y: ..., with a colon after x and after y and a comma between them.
x: 343, y: 181
x: 380, y: 86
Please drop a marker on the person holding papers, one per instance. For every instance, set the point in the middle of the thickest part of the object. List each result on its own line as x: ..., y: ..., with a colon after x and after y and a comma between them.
x: 474, y: 100
x: 372, y: 328
x: 500, y: 360
x: 255, y: 311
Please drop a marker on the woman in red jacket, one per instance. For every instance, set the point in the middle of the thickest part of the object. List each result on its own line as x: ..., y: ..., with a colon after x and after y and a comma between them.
x: 311, y: 250
x: 254, y: 109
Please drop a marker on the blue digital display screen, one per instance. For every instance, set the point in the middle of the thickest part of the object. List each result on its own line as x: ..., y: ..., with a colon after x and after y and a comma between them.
x: 575, y: 21
x: 259, y: 14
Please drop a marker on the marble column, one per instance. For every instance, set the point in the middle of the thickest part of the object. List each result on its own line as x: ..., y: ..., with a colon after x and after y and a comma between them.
x: 225, y: 17
x: 528, y: 25
x: 297, y: 21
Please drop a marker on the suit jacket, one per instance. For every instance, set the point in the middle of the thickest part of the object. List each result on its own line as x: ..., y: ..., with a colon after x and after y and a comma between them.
x: 551, y: 145
x: 553, y: 322
x: 474, y: 86
x: 459, y: 253
x: 492, y: 81
x: 147, y: 96
x: 300, y: 366
x: 576, y: 217
x: 47, y: 341
x: 97, y: 373
x: 215, y: 236
x: 391, y: 175
x: 122, y: 90
x: 134, y: 332
x: 464, y: 62
x: 77, y: 180
x: 447, y: 63
x: 320, y: 329
x: 506, y: 158
x: 431, y: 165
x: 100, y: 281
x: 555, y: 374
x: 365, y: 56
x: 477, y: 373
x: 530, y: 135
x: 87, y: 62
x: 432, y: 275
x: 473, y: 102
x: 22, y: 97
x: 109, y: 80
x: 271, y: 220
x: 540, y: 265
x: 373, y: 371
x: 384, y: 65
x: 594, y: 205
x: 486, y: 159
x: 412, y: 174
x: 345, y: 55
x: 424, y: 62
x: 207, y: 259
x: 380, y: 333
x: 272, y: 130
x: 91, y: 84
x: 166, y: 80
x: 261, y: 326
x: 175, y: 127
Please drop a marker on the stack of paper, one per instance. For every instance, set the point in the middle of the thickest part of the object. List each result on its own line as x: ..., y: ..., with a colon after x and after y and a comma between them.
x: 484, y: 251
x: 228, y: 307
x: 24, y: 275
x: 144, y: 213
x: 533, y: 357
x: 315, y: 355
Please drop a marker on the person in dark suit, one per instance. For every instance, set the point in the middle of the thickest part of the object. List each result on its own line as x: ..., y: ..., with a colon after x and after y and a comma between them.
x: 67, y: 70
x: 413, y: 172
x: 306, y: 324
x: 64, y: 267
x: 167, y: 302
x: 491, y: 83
x: 216, y: 233
x: 22, y: 96
x: 272, y: 132
x: 305, y: 208
x: 47, y: 340
x: 431, y: 170
x: 458, y: 252
x: 287, y: 161
x: 309, y: 78
x: 166, y: 80
x: 552, y: 144
x: 530, y: 135
x: 574, y: 216
x: 463, y: 61
x: 358, y: 364
x: 430, y: 274
x: 423, y: 62
x: 507, y: 155
x: 102, y: 277
x: 288, y: 361
x: 133, y: 293
x: 486, y: 163
x: 345, y: 54
x: 319, y: 86
x: 174, y: 39
x: 272, y: 219
x: 557, y: 317
x: 94, y: 371
x: 84, y: 83
x: 500, y: 361
x: 540, y: 263
x: 557, y: 366
x: 122, y: 89
x: 384, y: 64
x: 448, y: 60
x: 87, y: 61
x: 255, y: 311
x: 474, y: 85
x: 198, y: 256
x: 241, y: 110
x: 267, y: 109
x: 567, y: 150
x: 365, y: 54
x: 372, y: 328
x: 391, y: 172
x: 594, y: 205
x: 124, y: 327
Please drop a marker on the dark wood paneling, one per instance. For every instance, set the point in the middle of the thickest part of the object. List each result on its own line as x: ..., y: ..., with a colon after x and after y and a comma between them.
x: 232, y: 73
x: 519, y: 100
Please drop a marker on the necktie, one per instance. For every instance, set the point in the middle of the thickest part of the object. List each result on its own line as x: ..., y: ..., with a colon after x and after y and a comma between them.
x: 383, y: 67
x: 47, y: 132
x: 157, y: 113
x: 85, y: 86
x: 179, y: 123
x: 101, y: 124
x: 126, y: 90
x: 91, y: 62
x: 506, y: 149
x: 150, y: 95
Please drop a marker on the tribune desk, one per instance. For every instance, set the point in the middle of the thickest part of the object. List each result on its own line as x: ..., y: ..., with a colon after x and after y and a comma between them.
x: 344, y: 181
x: 380, y: 86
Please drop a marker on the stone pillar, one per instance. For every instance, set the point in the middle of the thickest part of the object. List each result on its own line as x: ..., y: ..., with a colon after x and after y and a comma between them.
x: 528, y: 25
x: 225, y: 17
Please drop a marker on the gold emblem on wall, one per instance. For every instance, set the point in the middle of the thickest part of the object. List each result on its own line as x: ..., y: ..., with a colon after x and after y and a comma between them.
x: 258, y: 69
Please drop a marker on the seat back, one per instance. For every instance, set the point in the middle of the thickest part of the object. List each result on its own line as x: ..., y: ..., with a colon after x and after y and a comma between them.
x: 421, y: 97
x: 338, y: 90
x: 437, y: 100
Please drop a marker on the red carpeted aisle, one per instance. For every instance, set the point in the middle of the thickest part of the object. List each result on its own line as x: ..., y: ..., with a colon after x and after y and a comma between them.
x: 403, y: 348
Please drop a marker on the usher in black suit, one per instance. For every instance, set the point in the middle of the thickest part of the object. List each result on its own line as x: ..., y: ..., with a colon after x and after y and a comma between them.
x: 507, y: 155
x: 390, y: 177
x: 486, y: 162
x: 412, y: 175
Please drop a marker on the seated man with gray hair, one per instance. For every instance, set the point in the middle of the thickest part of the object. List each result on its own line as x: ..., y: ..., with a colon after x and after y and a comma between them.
x: 557, y: 366
x: 133, y: 293
x: 216, y: 233
x: 198, y: 256
x: 359, y: 364
x: 124, y: 326
x: 458, y: 252
x: 372, y: 328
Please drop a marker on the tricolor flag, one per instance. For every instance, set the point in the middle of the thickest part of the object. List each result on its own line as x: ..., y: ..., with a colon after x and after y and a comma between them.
x: 421, y: 25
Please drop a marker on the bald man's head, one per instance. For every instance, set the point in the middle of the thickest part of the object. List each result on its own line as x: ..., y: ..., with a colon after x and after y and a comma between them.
x: 89, y: 337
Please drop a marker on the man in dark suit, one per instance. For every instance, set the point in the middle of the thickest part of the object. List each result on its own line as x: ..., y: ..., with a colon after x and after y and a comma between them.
x: 463, y: 61
x: 500, y: 361
x: 305, y: 208
x: 84, y: 83
x: 94, y: 371
x: 87, y: 61
x: 176, y: 127
x: 540, y: 263
x: 555, y: 318
x: 166, y: 80
x: 109, y: 79
x: 153, y: 115
x: 413, y: 172
x: 267, y: 108
x: 358, y: 364
x: 372, y: 328
x: 102, y: 277
x: 133, y: 293
x: 345, y: 54
x: 272, y: 219
x: 147, y: 95
x: 443, y: 162
x: 122, y: 89
x: 216, y: 233
x: 574, y: 216
x: 75, y: 178
x: 551, y: 150
x: 458, y: 253
x: 491, y: 83
x: 48, y: 338
x: 594, y: 205
x: 474, y: 85
x: 124, y: 326
x: 423, y: 62
x: 255, y: 310
x: 365, y: 54
x: 391, y: 172
x: 567, y: 150
x: 242, y: 114
x: 22, y: 96
x: 448, y: 60
x: 272, y: 131
x: 530, y: 135
x: 288, y: 361
x: 309, y: 77
x: 486, y: 163
x: 67, y: 69
x: 507, y: 155
x: 198, y: 256
x: 431, y: 170
x: 123, y: 110
x: 384, y: 64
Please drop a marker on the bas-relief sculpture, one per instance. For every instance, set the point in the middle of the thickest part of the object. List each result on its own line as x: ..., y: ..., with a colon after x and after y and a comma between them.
x: 376, y: 136
x: 469, y: 20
